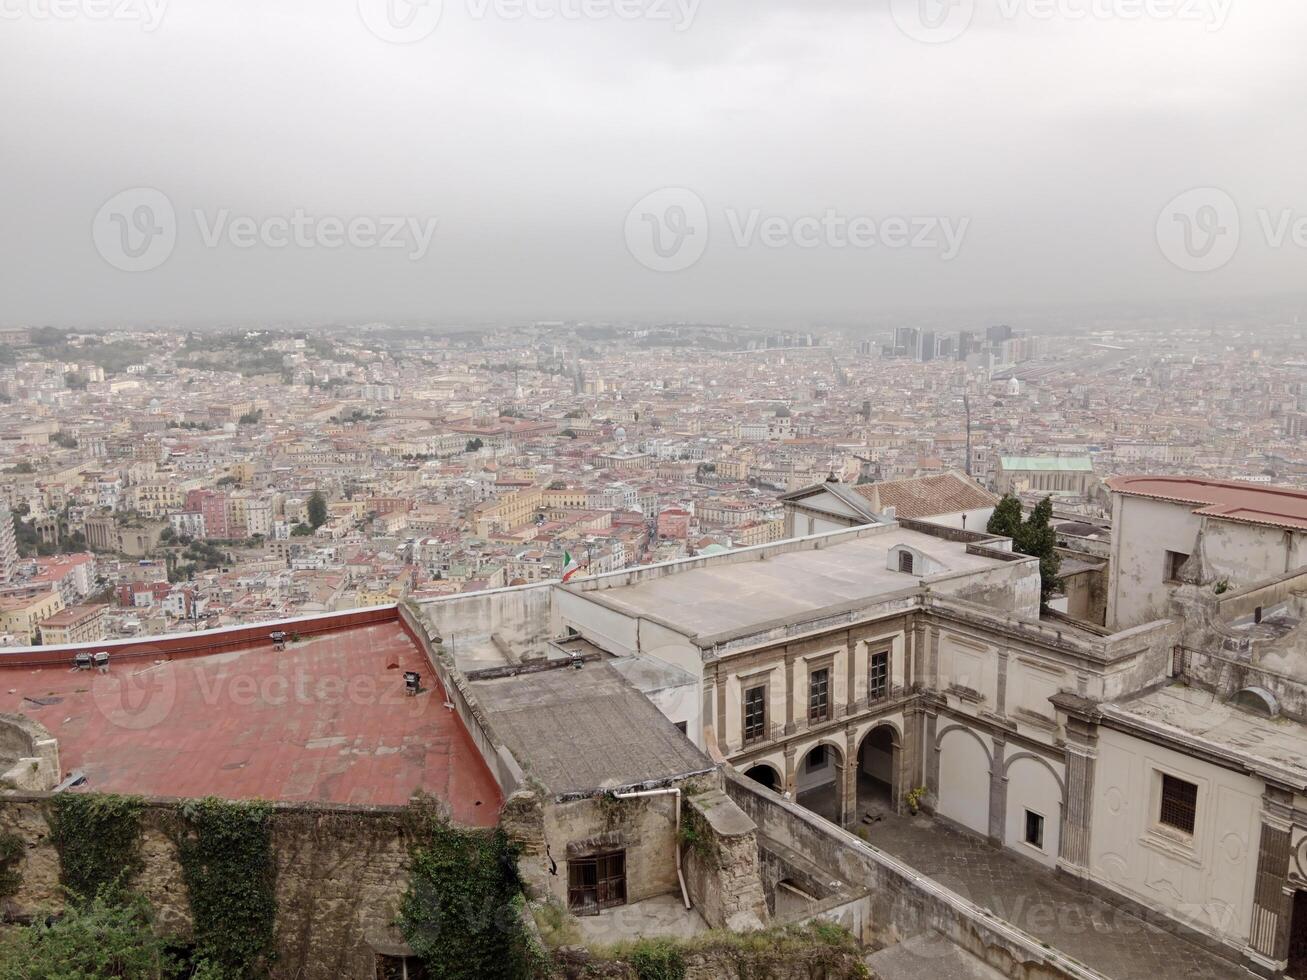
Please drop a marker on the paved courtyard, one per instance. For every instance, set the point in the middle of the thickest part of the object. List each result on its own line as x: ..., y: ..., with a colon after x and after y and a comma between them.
x: 1106, y: 939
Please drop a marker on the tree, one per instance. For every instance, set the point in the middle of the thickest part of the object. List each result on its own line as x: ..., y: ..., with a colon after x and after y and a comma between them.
x: 317, y: 509
x: 1037, y: 538
x: 1006, y: 519
x: 473, y: 445
x: 1033, y: 536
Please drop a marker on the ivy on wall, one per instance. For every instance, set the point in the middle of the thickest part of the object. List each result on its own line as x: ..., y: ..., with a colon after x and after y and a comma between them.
x: 11, y: 852
x: 98, y: 838
x: 225, y: 848
x: 462, y: 913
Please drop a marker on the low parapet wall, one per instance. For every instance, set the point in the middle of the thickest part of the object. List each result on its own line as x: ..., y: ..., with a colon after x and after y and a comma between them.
x: 201, y: 643
x: 500, y: 761
x: 904, y: 903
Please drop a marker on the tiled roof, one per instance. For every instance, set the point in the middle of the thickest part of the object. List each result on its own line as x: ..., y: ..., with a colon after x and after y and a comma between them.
x: 1251, y: 503
x: 927, y: 496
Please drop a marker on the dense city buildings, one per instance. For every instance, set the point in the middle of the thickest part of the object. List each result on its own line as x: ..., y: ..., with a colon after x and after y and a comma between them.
x: 210, y: 479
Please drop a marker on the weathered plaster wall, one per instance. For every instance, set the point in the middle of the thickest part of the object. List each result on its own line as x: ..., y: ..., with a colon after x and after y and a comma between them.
x: 644, y: 828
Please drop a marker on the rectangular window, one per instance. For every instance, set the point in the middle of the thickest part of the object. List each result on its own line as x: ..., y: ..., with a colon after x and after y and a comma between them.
x: 1034, y: 829
x: 1174, y: 560
x: 755, y: 714
x: 878, y: 676
x: 819, y: 695
x: 1179, y: 804
x: 905, y: 562
x: 596, y: 883
x: 400, y: 968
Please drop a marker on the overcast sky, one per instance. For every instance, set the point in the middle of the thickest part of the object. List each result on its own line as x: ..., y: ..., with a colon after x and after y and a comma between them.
x: 826, y: 158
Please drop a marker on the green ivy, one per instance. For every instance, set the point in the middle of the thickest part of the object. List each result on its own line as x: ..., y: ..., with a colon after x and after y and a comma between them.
x: 98, y: 838
x: 11, y: 852
x: 462, y: 913
x: 658, y: 959
x: 225, y: 847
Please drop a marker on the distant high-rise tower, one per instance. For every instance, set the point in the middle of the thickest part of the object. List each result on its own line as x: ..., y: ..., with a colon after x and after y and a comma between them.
x: 8, y: 545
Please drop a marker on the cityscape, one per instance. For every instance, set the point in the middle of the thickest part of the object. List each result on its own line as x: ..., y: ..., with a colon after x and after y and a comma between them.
x: 653, y: 490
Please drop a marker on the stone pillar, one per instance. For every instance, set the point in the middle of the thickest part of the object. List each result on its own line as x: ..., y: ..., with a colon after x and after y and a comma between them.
x: 1075, y: 852
x: 998, y: 794
x: 1001, y: 708
x: 789, y: 694
x: 719, y: 684
x: 852, y: 700
x: 791, y: 773
x: 911, y: 670
x: 849, y: 798
x: 1268, y: 941
x: 932, y: 754
x: 932, y: 668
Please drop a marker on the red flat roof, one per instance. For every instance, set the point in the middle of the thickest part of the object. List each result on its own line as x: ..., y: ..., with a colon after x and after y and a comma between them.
x: 1252, y: 503
x: 327, y: 721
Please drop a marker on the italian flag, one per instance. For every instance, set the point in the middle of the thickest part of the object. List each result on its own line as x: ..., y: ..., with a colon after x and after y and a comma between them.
x: 570, y: 565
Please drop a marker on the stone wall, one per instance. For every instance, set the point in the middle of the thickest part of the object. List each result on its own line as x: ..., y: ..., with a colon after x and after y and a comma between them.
x: 707, y: 960
x: 29, y: 754
x: 341, y: 873
x: 721, y: 863
x: 902, y: 903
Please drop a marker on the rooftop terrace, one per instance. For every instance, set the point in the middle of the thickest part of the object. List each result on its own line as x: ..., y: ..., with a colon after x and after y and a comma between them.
x: 719, y: 598
x: 327, y: 720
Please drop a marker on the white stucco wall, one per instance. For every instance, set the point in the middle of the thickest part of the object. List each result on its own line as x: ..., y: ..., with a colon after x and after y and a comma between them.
x: 1205, y: 881
x: 964, y: 779
x: 1033, y: 785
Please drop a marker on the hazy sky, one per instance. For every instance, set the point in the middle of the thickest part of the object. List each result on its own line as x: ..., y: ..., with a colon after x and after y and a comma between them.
x: 825, y: 157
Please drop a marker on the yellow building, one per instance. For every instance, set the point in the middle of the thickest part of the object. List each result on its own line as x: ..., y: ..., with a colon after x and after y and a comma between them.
x: 76, y: 624
x: 22, y: 615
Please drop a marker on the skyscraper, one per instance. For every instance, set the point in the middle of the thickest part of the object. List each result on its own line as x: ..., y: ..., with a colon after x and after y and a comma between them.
x: 8, y: 545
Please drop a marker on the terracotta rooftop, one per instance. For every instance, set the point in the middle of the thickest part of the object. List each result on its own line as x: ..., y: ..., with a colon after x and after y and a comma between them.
x: 927, y: 496
x: 1252, y: 503
x: 326, y: 721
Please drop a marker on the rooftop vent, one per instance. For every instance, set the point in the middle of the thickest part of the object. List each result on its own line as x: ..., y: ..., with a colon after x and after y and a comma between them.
x: 1258, y: 700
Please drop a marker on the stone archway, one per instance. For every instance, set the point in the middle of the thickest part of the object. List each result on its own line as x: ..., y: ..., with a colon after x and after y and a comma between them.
x: 767, y: 775
x: 878, y: 774
x: 819, y: 781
